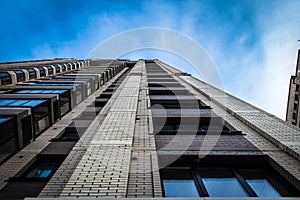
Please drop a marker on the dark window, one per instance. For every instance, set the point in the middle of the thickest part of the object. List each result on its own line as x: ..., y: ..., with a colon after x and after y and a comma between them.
x: 5, y: 78
x: 70, y: 135
x: 69, y: 66
x: 63, y: 67
x: 297, y: 87
x: 73, y: 65
x: 42, y: 71
x: 8, y: 140
x: 50, y: 70
x: 175, y: 104
x: 42, y: 170
x: 32, y: 73
x: 39, y: 107
x: 296, y: 97
x: 57, y: 69
x: 223, y: 182
x: 31, y: 182
x: 20, y: 75
x: 41, y: 115
x: 295, y: 106
x: 192, y: 125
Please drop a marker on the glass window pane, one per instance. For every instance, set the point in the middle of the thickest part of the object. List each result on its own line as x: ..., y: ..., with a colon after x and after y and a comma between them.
x: 33, y: 103
x: 18, y: 103
x: 30, y: 70
x: 19, y: 92
x: 4, y: 74
x: 180, y: 188
x: 263, y: 188
x: 3, y: 119
x: 18, y: 71
x: 55, y: 84
x: 5, y: 102
x: 60, y: 91
x: 224, y: 187
x: 41, y: 171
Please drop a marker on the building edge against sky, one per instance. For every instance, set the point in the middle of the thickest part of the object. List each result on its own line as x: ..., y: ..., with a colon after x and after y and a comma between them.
x: 292, y: 112
x: 120, y: 128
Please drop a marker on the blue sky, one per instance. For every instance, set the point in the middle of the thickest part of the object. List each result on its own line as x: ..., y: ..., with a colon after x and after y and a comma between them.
x: 253, y: 43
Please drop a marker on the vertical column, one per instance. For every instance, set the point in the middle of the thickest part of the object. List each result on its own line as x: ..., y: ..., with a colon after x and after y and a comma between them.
x: 144, y: 180
x: 104, y: 168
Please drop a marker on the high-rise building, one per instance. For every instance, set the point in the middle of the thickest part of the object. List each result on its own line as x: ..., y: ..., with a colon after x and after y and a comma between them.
x: 128, y: 129
x: 292, y: 112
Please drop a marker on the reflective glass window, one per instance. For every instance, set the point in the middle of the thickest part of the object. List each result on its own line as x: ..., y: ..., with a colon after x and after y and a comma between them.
x: 55, y: 84
x: 40, y: 91
x: 33, y: 103
x: 18, y: 103
x: 4, y: 74
x: 30, y: 70
x: 224, y: 187
x: 5, y: 102
x: 263, y: 188
x: 18, y: 71
x: 3, y: 119
x: 180, y: 188
x: 42, y: 171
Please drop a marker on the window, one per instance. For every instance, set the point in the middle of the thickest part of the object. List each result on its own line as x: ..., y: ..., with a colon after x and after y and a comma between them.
x: 5, y: 78
x: 55, y: 84
x: 294, y: 116
x: 223, y: 182
x: 63, y: 67
x: 42, y: 170
x: 11, y: 102
x: 192, y: 125
x: 40, y: 91
x: 296, y: 97
x: 175, y: 104
x: 42, y: 71
x: 32, y: 73
x: 69, y: 66
x: 50, y: 70
x: 180, y: 188
x: 263, y: 188
x: 8, y: 140
x: 180, y: 185
x: 70, y: 135
x: 57, y: 68
x: 63, y: 95
x: 295, y: 106
x: 224, y: 187
x: 20, y: 75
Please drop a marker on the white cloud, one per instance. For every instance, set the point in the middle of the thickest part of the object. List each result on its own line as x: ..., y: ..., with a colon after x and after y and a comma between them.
x: 280, y: 30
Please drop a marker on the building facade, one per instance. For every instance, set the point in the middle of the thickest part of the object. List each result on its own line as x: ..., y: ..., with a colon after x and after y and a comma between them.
x: 292, y: 112
x: 136, y: 129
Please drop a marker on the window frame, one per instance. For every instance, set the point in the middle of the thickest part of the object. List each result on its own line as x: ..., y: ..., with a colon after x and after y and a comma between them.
x: 237, y: 173
x: 204, y: 125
